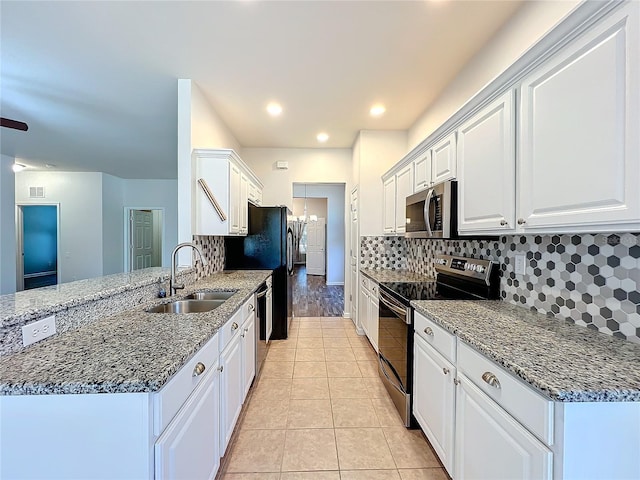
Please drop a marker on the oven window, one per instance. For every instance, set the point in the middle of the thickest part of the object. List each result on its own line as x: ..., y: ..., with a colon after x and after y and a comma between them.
x: 393, y: 335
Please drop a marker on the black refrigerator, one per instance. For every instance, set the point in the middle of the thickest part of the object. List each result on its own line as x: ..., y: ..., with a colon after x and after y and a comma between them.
x: 268, y: 245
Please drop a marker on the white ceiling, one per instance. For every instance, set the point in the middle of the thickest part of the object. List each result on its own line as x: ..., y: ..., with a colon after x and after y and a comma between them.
x: 97, y: 81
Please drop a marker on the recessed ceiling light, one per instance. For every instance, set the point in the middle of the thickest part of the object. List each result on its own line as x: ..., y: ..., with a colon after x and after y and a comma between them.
x: 18, y: 167
x: 377, y: 110
x: 322, y: 137
x: 274, y: 109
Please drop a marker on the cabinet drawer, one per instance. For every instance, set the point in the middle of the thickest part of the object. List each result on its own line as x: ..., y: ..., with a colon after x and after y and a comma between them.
x: 373, y: 288
x: 248, y: 308
x: 168, y: 400
x: 527, y: 406
x: 231, y: 328
x: 436, y: 336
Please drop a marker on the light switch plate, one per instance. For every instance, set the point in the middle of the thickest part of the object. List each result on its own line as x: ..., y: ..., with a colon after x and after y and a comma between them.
x: 520, y: 264
x: 36, y: 331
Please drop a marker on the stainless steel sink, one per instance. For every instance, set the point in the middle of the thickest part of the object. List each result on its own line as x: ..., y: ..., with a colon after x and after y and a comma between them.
x: 211, y: 295
x: 187, y: 306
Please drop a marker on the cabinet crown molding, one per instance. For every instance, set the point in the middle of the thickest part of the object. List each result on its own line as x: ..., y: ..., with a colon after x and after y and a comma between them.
x: 227, y: 154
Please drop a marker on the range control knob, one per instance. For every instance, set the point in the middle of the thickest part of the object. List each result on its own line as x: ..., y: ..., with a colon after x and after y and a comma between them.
x: 480, y: 269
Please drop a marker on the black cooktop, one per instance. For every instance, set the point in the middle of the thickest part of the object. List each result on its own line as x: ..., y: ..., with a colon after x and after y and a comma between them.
x: 405, y: 292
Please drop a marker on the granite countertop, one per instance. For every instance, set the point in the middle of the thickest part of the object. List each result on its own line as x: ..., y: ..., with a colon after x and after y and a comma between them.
x: 21, y: 307
x: 133, y: 351
x: 563, y: 361
x: 382, y: 276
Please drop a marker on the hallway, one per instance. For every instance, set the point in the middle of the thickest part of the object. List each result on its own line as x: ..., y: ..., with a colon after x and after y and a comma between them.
x: 312, y: 297
x: 319, y: 411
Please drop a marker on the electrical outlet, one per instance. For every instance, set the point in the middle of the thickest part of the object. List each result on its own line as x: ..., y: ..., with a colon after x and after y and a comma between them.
x: 520, y: 264
x: 36, y: 331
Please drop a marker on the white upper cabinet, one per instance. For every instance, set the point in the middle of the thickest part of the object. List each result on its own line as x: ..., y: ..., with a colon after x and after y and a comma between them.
x: 486, y: 168
x: 422, y: 172
x: 579, y: 141
x: 404, y: 188
x: 223, y: 209
x: 389, y: 205
x: 444, y: 159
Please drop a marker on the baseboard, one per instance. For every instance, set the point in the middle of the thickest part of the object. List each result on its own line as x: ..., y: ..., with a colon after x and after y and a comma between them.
x: 359, y: 331
x: 346, y: 314
x: 335, y: 283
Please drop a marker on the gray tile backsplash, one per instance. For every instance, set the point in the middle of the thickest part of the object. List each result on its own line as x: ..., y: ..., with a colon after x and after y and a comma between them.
x: 591, y: 280
x: 213, y: 251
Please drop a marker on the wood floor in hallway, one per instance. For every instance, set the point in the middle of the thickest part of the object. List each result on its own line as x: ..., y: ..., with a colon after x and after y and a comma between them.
x: 318, y: 411
x: 312, y: 297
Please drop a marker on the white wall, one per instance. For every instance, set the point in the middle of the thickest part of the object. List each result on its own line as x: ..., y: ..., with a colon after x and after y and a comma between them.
x: 526, y: 27
x: 315, y: 206
x: 335, y: 197
x: 79, y: 195
x: 7, y: 226
x: 378, y: 152
x: 199, y: 126
x: 156, y: 194
x: 112, y: 224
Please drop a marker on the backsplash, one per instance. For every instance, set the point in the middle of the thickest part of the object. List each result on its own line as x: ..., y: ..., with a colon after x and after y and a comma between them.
x: 591, y: 280
x: 213, y: 251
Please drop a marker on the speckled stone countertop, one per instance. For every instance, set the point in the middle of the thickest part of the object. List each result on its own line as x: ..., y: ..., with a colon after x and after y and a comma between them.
x: 133, y: 351
x: 563, y: 361
x: 382, y: 276
x: 21, y: 307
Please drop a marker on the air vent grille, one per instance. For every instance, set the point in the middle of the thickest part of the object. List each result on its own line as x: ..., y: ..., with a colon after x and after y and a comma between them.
x: 36, y: 192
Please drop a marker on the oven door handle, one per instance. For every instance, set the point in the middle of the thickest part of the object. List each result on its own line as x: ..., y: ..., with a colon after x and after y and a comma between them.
x: 427, y: 204
x: 402, y: 313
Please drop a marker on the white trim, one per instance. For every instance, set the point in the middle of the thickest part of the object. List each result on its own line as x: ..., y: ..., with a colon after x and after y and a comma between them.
x: 346, y: 315
x: 573, y: 25
x: 335, y: 283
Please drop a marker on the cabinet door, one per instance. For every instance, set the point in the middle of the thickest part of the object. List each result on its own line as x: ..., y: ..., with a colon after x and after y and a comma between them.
x: 231, y: 390
x: 389, y: 205
x: 249, y: 353
x: 422, y: 172
x: 188, y: 447
x: 486, y: 163
x: 434, y: 399
x: 269, y: 315
x: 373, y: 318
x: 364, y: 306
x: 443, y: 158
x: 234, y: 199
x: 490, y: 444
x: 244, y: 205
x: 579, y: 142
x: 404, y: 188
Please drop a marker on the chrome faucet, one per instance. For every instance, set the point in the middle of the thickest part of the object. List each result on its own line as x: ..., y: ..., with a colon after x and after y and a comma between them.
x: 172, y: 281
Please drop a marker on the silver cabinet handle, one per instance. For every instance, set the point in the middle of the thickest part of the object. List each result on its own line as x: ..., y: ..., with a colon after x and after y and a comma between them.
x: 199, y: 370
x: 234, y: 326
x: 428, y: 331
x: 445, y: 370
x: 521, y: 221
x: 503, y: 222
x: 491, y: 379
x: 221, y: 368
x: 251, y: 307
x: 456, y: 381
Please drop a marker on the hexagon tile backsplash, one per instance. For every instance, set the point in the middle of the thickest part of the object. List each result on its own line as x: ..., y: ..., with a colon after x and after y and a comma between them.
x: 590, y: 279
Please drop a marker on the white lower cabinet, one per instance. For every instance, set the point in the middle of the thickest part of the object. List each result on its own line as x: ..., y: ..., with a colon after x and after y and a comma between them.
x: 231, y: 390
x: 434, y: 399
x: 249, y: 353
x: 368, y: 310
x: 490, y: 444
x: 188, y: 448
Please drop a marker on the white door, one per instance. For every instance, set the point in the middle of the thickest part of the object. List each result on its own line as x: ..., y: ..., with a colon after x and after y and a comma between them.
x: 188, y: 447
x: 234, y: 199
x: 444, y: 159
x: 231, y: 390
x: 434, y: 399
x: 316, y: 240
x: 373, y: 317
x: 249, y: 352
x: 487, y: 163
x: 579, y: 142
x: 141, y: 239
x: 389, y: 205
x: 422, y: 172
x: 363, y: 303
x: 490, y: 444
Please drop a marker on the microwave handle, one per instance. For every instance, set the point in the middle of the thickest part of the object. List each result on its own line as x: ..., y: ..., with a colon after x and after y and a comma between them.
x: 427, y: 202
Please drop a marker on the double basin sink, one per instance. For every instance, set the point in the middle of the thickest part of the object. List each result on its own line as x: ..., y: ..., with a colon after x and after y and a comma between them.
x: 195, y: 303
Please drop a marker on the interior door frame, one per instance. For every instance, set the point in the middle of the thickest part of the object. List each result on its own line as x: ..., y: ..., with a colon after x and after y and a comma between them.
x: 127, y: 235
x: 20, y: 240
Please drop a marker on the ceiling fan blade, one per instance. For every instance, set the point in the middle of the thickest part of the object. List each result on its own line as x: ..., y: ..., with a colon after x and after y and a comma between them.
x: 8, y: 123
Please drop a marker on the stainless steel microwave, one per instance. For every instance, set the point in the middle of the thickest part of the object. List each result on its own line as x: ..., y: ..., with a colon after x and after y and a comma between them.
x: 433, y: 213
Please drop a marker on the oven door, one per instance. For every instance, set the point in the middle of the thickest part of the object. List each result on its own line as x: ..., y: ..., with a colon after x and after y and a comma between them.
x: 394, y: 352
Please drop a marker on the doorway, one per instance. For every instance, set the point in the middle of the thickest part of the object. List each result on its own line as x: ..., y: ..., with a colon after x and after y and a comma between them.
x: 144, y: 233
x: 37, y: 246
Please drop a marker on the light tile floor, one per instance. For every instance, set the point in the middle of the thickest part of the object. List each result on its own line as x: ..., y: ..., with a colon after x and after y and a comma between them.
x: 319, y: 411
